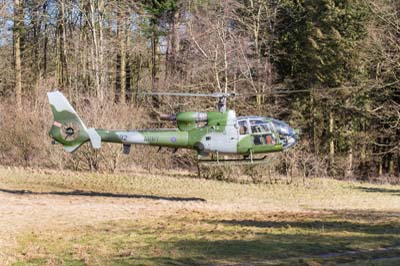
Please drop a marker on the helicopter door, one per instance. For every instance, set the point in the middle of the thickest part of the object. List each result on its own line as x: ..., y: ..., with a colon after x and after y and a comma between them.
x: 224, y: 142
x: 231, y: 138
x: 262, y: 133
x: 223, y: 139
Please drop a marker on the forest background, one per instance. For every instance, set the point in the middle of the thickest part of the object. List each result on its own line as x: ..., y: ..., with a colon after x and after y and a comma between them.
x: 329, y: 67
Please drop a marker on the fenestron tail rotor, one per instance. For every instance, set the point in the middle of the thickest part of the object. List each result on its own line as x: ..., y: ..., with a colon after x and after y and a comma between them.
x: 70, y: 131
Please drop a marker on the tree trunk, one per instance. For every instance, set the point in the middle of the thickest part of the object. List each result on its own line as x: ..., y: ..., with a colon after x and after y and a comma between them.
x: 95, y: 51
x: 64, y: 75
x: 153, y: 59
x: 36, y: 59
x: 173, y: 45
x: 349, y: 170
x: 391, y: 159
x: 17, y: 53
x: 364, y: 147
x: 83, y: 50
x: 128, y: 70
x: 314, y: 127
x: 101, y: 51
x: 154, y: 43
x: 138, y: 71
x: 331, y: 143
x: 350, y: 156
x: 45, y: 41
x: 121, y: 60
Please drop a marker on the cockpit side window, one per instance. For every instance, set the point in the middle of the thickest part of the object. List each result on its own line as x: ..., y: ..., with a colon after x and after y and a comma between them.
x: 243, y: 127
x: 270, y: 126
x: 257, y: 126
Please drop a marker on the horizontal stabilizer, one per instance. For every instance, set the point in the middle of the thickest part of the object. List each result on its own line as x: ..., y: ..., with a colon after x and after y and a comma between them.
x: 95, y: 138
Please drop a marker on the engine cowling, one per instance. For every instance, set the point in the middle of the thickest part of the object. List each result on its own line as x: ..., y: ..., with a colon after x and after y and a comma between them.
x: 186, y: 120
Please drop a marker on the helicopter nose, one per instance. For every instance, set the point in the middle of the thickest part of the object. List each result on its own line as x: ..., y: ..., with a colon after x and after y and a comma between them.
x: 289, y: 136
x: 291, y: 139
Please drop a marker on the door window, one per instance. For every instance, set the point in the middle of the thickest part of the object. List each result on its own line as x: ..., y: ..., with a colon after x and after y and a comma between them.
x: 243, y: 127
x: 264, y: 139
x: 257, y: 126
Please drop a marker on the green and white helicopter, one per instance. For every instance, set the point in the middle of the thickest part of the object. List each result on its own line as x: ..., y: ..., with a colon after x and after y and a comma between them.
x: 214, y: 133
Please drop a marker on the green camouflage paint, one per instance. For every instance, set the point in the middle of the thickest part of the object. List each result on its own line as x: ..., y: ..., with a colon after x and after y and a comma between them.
x: 219, y: 132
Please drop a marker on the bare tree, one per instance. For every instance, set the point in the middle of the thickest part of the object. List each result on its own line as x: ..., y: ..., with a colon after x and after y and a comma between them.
x: 17, y: 31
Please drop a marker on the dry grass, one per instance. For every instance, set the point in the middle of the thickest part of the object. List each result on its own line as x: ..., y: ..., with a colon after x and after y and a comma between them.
x: 169, y: 219
x: 315, y: 194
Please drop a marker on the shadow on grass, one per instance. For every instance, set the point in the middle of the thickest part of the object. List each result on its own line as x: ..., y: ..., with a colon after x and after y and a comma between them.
x: 380, y: 190
x: 326, y: 226
x: 273, y: 249
x: 263, y: 239
x: 289, y: 242
x: 101, y: 194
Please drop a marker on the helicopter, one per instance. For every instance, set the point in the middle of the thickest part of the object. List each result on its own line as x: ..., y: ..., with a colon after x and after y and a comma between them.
x: 217, y: 133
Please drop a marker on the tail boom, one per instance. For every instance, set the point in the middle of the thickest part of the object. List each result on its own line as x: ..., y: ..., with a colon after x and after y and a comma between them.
x: 169, y: 138
x: 69, y: 130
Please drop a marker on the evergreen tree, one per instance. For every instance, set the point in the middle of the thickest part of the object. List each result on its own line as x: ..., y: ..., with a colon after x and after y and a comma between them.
x: 316, y: 48
x: 316, y: 40
x: 159, y: 11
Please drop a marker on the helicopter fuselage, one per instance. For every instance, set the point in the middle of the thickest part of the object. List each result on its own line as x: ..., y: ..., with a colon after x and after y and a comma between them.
x: 237, y: 136
x: 205, y: 132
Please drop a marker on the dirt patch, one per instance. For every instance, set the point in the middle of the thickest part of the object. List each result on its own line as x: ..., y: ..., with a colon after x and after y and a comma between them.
x: 22, y: 212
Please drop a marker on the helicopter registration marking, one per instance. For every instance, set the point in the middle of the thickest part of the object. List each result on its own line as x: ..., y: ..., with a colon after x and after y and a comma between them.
x: 150, y: 138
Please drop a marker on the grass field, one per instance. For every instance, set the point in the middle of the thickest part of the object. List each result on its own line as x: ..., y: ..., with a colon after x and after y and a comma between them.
x: 66, y: 218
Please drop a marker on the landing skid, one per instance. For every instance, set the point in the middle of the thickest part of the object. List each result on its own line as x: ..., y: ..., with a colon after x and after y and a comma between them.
x: 226, y: 168
x: 216, y: 162
x: 246, y: 160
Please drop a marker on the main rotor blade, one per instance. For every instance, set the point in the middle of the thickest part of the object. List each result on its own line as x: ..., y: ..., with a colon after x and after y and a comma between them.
x: 278, y: 91
x: 222, y: 94
x: 188, y: 94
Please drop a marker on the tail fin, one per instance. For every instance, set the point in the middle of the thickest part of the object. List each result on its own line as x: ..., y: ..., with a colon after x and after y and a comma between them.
x: 68, y: 129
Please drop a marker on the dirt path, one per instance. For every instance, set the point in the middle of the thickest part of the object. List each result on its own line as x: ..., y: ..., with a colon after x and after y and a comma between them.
x: 21, y: 212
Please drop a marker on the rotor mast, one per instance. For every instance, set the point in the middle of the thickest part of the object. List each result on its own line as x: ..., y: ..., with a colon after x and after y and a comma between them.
x: 221, y: 107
